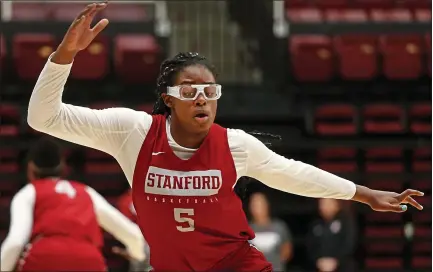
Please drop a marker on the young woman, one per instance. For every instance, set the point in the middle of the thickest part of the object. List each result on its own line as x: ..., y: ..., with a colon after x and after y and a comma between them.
x: 182, y: 167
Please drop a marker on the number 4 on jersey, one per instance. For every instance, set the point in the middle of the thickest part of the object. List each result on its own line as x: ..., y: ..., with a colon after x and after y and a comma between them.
x: 179, y: 216
x: 64, y: 187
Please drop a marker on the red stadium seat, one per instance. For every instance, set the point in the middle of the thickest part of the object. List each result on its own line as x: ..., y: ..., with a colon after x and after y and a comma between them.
x: 312, y: 57
x: 384, y: 263
x: 30, y: 53
x: 392, y: 15
x: 30, y: 11
x: 412, y: 4
x: 310, y: 15
x: 137, y: 58
x: 421, y: 161
x: 384, y: 247
x: 402, y: 56
x: 423, y: 217
x: 296, y: 3
x: 348, y: 15
x: 357, y: 56
x: 384, y: 160
x: 3, y: 53
x: 10, y: 120
x: 339, y: 119
x: 422, y: 246
x: 145, y: 107
x: 383, y: 118
x: 325, y: 4
x: 374, y: 4
x: 103, y: 168
x: 337, y: 160
x: 420, y: 118
x: 423, y: 232
x: 384, y: 232
x: 422, y: 15
x: 421, y: 262
x: 374, y: 217
x: 125, y: 12
x: 92, y: 63
x: 65, y: 11
x: 96, y: 155
x: 385, y: 184
x: 428, y: 47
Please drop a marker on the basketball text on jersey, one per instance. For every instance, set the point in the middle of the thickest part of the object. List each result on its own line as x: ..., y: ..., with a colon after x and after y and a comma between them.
x: 178, y: 183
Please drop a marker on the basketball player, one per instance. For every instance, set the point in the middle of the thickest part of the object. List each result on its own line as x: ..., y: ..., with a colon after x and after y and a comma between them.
x: 57, y: 221
x: 182, y: 167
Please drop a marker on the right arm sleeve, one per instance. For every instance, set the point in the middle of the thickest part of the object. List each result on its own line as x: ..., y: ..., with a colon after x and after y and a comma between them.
x: 105, y: 130
x: 118, y: 225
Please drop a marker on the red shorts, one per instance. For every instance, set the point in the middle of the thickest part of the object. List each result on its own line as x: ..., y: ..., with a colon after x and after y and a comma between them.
x: 246, y: 259
x: 61, y: 254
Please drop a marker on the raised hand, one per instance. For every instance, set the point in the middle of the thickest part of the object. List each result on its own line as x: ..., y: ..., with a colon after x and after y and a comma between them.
x: 80, y: 34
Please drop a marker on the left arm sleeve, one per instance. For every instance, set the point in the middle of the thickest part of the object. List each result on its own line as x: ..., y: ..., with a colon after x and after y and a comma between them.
x: 292, y: 176
x: 20, y: 227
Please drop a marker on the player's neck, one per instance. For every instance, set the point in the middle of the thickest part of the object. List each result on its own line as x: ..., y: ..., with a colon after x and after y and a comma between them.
x: 185, y: 138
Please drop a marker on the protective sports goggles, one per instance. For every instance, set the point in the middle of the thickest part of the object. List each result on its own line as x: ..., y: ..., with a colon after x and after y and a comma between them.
x: 191, y: 92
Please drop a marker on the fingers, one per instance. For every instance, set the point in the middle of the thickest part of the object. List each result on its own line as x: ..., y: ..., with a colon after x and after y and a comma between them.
x: 396, y: 208
x: 94, y: 9
x: 99, y: 26
x: 413, y: 202
x: 407, y: 193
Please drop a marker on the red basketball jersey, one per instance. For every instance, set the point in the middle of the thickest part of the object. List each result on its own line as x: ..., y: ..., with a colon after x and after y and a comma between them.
x: 126, y: 206
x: 187, y: 209
x: 64, y: 208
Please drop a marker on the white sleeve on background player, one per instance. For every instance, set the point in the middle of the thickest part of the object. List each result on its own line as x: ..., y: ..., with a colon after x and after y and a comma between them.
x: 20, y: 228
x: 114, y: 222
x: 289, y: 175
x: 105, y: 129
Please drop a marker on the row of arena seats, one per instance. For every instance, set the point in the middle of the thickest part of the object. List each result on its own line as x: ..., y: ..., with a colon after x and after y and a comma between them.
x: 326, y: 120
x: 390, y: 160
x: 38, y: 11
x: 375, y: 118
x: 351, y: 57
x: 315, y: 15
x: 360, y: 57
x: 371, y: 161
x: 132, y: 55
x: 363, y: 4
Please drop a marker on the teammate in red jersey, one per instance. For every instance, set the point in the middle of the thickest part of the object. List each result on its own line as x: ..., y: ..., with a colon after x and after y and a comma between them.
x: 57, y: 222
x: 182, y: 167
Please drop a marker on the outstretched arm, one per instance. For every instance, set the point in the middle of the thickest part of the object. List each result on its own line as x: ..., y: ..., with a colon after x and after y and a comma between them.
x: 20, y: 227
x: 303, y: 179
x: 105, y: 130
x: 118, y: 225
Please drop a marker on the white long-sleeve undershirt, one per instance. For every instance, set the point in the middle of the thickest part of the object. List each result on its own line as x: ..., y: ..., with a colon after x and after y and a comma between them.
x: 120, y: 132
x: 21, y: 225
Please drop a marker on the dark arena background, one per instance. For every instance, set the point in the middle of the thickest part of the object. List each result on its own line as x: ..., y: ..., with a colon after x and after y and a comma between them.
x: 345, y: 83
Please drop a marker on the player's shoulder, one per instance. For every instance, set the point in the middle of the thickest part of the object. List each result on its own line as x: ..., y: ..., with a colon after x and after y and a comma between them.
x: 28, y: 192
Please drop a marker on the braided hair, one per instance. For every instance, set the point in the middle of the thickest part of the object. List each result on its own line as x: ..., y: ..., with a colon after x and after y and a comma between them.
x: 168, y: 72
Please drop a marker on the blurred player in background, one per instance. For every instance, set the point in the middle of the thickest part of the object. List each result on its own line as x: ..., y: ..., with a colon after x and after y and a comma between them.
x: 55, y: 223
x: 182, y: 167
x: 273, y: 237
x: 126, y: 207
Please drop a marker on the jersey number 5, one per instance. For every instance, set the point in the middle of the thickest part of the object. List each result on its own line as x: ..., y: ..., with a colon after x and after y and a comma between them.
x: 179, y: 216
x: 64, y: 187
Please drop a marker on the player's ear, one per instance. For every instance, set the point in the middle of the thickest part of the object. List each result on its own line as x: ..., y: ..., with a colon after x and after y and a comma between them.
x: 168, y: 100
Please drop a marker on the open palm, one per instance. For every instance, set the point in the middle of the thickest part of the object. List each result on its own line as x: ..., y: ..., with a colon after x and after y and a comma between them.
x: 80, y: 34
